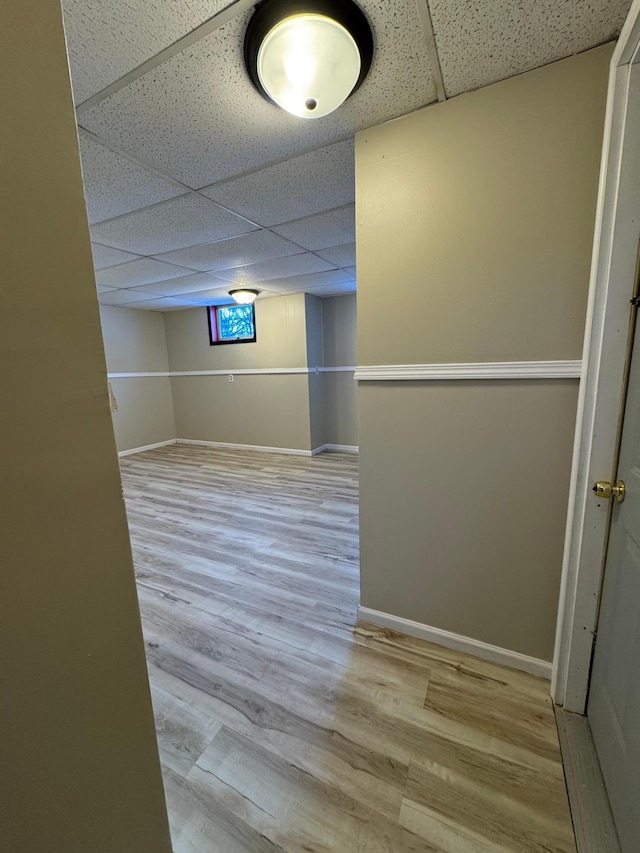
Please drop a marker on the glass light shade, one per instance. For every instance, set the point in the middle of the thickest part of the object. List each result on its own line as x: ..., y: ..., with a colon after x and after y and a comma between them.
x: 244, y: 296
x: 308, y: 64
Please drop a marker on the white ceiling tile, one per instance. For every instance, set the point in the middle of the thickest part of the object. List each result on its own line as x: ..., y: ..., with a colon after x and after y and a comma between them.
x: 138, y: 272
x: 333, y: 228
x: 341, y: 256
x: 183, y: 284
x: 334, y: 289
x: 173, y: 224
x: 304, y: 283
x: 217, y: 296
x: 105, y: 256
x: 106, y: 40
x: 479, y: 43
x: 102, y: 289
x: 237, y: 251
x: 197, y: 117
x: 113, y: 185
x: 276, y: 268
x: 298, y: 187
x: 121, y: 297
x: 220, y: 296
x: 352, y: 270
x: 162, y: 304
x: 267, y: 294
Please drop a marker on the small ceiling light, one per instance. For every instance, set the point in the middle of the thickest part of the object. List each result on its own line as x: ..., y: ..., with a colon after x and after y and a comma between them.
x: 308, y: 56
x: 244, y: 295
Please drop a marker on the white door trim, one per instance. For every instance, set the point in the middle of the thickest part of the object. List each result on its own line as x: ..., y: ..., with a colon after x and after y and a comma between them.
x: 600, y: 397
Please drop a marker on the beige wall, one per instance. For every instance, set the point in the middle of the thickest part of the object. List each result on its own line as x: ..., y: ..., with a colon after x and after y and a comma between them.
x: 481, y: 211
x: 314, y: 310
x: 478, y: 473
x: 340, y: 390
x: 316, y: 381
x: 280, y: 333
x: 78, y: 749
x: 135, y: 342
x: 339, y: 316
x: 474, y: 228
x: 270, y: 410
x: 340, y: 409
x: 293, y: 411
x: 145, y: 412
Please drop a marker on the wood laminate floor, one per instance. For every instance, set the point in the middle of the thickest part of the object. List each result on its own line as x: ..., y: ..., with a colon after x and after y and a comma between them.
x: 282, y: 725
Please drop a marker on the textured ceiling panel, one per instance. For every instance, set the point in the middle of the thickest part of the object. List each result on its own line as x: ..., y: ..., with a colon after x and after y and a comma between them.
x: 197, y: 117
x: 183, y: 284
x: 299, y: 187
x: 216, y: 296
x: 481, y: 42
x: 137, y: 272
x: 102, y: 289
x: 174, y: 224
x: 114, y: 185
x: 121, y: 297
x: 221, y: 296
x: 105, y: 256
x: 341, y: 256
x: 333, y: 228
x: 334, y: 289
x: 106, y: 40
x: 238, y: 251
x: 277, y: 268
x: 304, y: 283
x: 161, y: 304
x: 352, y: 270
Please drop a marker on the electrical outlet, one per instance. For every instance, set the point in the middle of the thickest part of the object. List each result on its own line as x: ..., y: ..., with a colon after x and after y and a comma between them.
x: 231, y: 377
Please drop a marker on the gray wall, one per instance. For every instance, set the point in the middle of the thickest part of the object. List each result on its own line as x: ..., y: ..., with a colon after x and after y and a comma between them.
x: 78, y: 750
x: 340, y: 390
x: 474, y: 230
x: 135, y: 342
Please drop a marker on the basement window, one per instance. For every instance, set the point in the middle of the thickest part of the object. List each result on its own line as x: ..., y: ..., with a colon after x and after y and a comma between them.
x: 231, y: 324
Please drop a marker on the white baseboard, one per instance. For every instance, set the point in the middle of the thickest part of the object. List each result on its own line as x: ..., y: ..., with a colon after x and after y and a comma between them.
x: 494, y: 654
x: 229, y: 446
x: 147, y: 447
x: 338, y: 448
x: 342, y: 448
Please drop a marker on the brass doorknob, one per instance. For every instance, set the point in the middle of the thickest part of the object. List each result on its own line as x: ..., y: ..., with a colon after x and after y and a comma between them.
x: 604, y: 489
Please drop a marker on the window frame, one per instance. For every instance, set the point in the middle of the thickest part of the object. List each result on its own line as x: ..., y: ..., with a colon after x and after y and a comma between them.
x: 212, y: 318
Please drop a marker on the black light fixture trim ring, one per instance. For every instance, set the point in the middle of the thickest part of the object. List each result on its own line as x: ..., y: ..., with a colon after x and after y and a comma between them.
x: 268, y: 13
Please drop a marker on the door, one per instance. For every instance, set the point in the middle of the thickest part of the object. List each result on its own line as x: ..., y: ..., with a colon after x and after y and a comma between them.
x: 614, y: 692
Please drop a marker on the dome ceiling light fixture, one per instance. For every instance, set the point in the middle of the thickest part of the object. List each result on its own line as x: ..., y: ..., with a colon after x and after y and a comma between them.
x: 308, y: 56
x: 244, y: 295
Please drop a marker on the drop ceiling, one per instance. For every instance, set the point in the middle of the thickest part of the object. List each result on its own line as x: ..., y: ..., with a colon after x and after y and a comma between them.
x: 194, y: 183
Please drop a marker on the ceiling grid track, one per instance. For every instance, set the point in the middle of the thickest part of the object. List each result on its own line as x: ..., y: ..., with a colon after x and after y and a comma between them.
x: 238, y: 7
x: 432, y: 49
x: 169, y: 87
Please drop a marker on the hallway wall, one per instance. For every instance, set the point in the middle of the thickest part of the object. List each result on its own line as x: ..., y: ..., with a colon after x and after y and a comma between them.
x: 268, y: 408
x: 78, y: 753
x: 340, y: 350
x: 474, y: 230
x: 135, y: 342
x: 279, y: 397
